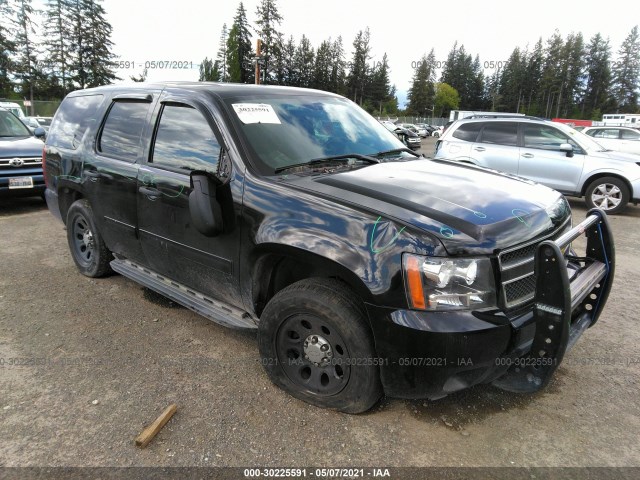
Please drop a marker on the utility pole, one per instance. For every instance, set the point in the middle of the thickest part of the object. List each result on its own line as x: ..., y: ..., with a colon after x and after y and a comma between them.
x: 258, y: 58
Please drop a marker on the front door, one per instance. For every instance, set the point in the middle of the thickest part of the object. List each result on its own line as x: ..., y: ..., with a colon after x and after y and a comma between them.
x: 186, y: 140
x: 542, y: 160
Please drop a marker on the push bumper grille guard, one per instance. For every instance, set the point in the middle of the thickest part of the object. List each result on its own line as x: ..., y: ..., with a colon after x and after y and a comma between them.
x: 564, y: 308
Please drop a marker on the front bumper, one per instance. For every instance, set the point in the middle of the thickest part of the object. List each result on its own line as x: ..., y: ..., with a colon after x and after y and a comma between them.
x: 432, y: 354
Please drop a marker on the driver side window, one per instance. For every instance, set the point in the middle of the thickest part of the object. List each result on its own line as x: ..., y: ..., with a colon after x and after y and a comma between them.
x: 184, y: 141
x: 545, y: 137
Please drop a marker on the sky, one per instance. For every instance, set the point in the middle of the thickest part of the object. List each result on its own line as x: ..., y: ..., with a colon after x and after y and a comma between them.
x: 189, y: 30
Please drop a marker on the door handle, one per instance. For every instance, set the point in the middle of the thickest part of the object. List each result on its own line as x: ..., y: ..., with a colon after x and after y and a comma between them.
x: 150, y: 192
x: 527, y: 155
x: 479, y: 149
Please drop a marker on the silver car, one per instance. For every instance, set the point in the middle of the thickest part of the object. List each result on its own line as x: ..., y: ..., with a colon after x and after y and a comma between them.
x: 623, y: 139
x: 549, y: 153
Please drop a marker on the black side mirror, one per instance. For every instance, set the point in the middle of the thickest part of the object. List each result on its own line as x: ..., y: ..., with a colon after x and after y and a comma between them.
x: 205, y: 210
x: 40, y: 133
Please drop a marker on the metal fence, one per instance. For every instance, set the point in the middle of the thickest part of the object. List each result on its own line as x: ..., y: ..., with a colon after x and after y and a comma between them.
x: 435, y: 121
x: 39, y: 108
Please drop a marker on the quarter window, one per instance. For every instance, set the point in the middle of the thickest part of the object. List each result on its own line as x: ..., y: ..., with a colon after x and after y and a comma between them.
x: 120, y: 137
x: 72, y: 120
x: 468, y: 131
x: 500, y: 133
x: 630, y: 135
x: 185, y: 141
x: 606, y: 133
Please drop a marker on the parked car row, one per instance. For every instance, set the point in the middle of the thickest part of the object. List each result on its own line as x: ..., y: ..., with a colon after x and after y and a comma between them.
x: 550, y: 153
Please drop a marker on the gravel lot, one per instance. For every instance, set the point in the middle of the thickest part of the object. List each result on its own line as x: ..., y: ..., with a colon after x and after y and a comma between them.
x: 100, y: 359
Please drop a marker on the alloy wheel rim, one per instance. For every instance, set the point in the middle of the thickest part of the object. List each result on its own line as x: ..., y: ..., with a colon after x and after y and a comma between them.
x: 606, y: 196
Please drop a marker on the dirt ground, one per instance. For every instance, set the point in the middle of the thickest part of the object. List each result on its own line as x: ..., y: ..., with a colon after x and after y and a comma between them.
x: 100, y: 359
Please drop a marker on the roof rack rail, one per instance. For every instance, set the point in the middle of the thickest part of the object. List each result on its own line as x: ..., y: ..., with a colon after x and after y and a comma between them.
x: 488, y: 115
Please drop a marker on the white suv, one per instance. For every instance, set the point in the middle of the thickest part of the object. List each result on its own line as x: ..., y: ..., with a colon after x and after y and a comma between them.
x: 549, y: 153
x: 622, y: 139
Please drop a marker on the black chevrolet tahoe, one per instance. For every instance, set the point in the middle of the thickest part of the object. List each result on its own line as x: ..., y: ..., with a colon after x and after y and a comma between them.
x: 366, y: 268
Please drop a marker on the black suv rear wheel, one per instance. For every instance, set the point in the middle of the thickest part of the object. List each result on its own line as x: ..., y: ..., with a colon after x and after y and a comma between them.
x: 316, y: 344
x: 87, y: 247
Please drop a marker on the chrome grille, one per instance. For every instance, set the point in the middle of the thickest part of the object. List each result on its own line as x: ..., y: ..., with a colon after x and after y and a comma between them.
x: 6, y: 163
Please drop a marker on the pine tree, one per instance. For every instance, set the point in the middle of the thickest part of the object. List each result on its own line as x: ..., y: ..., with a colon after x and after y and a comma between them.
x: 303, y: 61
x: 476, y: 90
x: 551, y: 77
x: 222, y: 53
x: 7, y: 49
x: 323, y: 66
x: 512, y: 82
x: 338, y: 77
x: 597, y: 92
x: 572, y: 75
x: 533, y: 76
x: 239, y: 52
x: 26, y: 55
x: 92, y: 62
x: 57, y: 35
x: 626, y: 73
x: 268, y: 22
x: 209, y: 70
x: 421, y: 95
x: 358, y: 67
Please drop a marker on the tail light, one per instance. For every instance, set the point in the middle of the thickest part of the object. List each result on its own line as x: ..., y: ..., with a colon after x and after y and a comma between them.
x: 44, y: 173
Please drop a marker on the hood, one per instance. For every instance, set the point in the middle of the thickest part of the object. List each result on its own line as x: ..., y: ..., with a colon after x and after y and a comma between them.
x: 20, y: 147
x: 615, y: 155
x: 470, y: 209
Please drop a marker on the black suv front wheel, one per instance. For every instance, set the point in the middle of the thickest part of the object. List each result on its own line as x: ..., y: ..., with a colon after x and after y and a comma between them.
x: 316, y: 344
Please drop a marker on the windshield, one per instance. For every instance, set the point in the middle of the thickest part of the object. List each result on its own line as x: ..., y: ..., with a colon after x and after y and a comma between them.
x: 10, y: 126
x: 585, y: 141
x: 290, y: 130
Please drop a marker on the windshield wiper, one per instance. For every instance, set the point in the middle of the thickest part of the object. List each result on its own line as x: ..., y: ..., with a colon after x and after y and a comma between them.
x: 396, y: 150
x: 318, y: 161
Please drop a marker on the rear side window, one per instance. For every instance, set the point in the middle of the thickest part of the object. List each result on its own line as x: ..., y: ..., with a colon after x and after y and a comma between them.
x: 185, y: 141
x: 629, y: 135
x: 120, y: 137
x: 606, y: 133
x: 468, y: 131
x: 500, y: 133
x: 73, y: 118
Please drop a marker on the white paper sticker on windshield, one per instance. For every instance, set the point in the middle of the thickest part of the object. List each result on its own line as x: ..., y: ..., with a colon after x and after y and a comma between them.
x: 256, y: 113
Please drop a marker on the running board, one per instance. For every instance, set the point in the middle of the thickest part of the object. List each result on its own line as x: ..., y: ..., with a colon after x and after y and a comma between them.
x: 208, y: 307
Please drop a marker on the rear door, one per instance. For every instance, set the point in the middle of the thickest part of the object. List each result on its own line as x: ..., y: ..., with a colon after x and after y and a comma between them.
x: 110, y: 172
x: 497, y: 147
x: 186, y: 139
x: 542, y: 160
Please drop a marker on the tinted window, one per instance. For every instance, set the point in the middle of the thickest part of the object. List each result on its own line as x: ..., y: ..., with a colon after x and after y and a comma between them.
x: 629, y: 135
x: 468, y: 131
x: 545, y: 137
x: 184, y: 140
x: 72, y: 119
x: 121, y: 133
x: 501, y: 133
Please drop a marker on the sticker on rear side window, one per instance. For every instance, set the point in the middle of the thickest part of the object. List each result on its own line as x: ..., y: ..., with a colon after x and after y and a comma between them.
x: 256, y: 113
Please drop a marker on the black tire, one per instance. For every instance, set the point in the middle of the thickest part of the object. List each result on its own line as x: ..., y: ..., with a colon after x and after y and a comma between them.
x: 607, y: 193
x: 347, y: 379
x: 87, y: 247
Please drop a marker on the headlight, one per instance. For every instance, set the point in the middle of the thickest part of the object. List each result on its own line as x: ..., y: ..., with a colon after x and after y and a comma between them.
x: 437, y: 283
